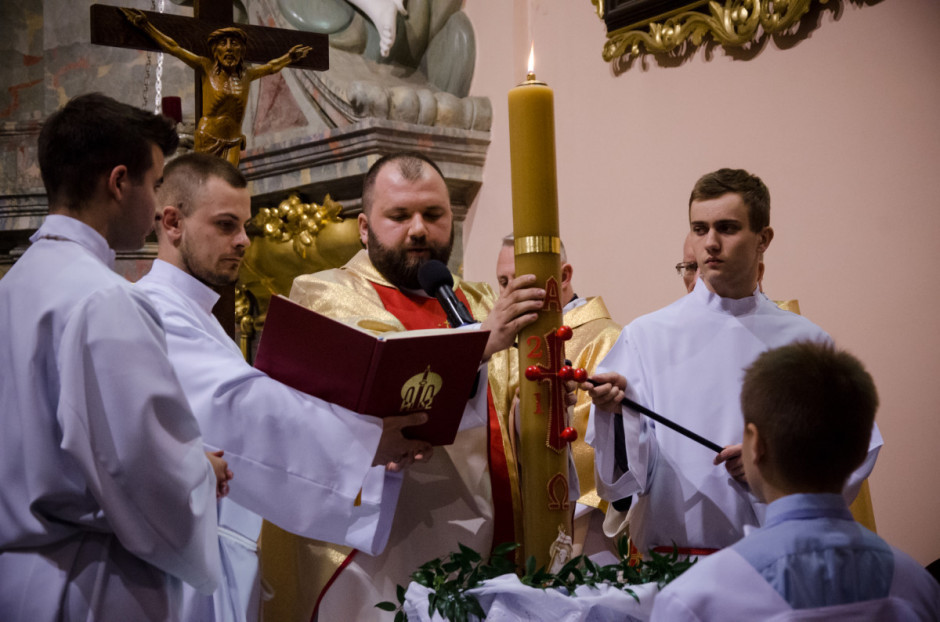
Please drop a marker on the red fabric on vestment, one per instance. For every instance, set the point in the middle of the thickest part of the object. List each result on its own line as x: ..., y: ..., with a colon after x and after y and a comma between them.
x: 416, y: 312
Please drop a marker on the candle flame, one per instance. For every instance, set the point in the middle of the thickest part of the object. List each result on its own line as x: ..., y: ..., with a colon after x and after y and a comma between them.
x: 532, y: 58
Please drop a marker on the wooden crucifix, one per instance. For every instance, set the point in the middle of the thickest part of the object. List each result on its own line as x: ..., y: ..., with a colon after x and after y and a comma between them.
x: 111, y: 26
x: 216, y: 49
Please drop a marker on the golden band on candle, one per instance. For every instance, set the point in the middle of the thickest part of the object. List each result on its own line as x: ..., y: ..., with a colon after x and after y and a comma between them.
x: 537, y: 244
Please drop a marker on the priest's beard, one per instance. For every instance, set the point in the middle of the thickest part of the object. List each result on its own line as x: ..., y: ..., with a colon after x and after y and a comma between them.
x: 400, y: 269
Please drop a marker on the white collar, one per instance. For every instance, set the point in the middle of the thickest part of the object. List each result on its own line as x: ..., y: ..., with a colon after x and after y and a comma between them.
x: 188, y: 285
x: 64, y: 228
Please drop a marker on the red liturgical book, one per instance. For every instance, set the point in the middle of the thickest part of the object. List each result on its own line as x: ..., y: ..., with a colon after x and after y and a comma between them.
x: 432, y: 370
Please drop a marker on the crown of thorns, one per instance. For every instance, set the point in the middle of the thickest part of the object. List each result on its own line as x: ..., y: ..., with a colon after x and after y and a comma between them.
x: 230, y: 31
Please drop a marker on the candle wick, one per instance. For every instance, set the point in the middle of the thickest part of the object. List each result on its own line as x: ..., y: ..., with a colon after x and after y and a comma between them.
x: 530, y: 76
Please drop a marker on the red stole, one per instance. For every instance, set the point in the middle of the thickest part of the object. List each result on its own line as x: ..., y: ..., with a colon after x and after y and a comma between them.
x: 416, y: 312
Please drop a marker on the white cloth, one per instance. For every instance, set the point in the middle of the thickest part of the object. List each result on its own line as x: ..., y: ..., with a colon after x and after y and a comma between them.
x: 725, y: 587
x: 108, y: 500
x: 298, y: 461
x: 686, y: 362
x: 506, y: 599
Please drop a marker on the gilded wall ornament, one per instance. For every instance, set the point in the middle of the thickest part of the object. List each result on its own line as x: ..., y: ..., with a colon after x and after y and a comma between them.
x: 287, y: 240
x: 732, y: 24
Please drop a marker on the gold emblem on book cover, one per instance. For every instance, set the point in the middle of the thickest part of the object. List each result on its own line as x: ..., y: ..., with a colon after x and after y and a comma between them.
x: 418, y: 391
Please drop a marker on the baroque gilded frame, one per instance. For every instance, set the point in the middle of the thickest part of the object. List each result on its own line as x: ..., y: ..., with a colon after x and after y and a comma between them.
x: 661, y: 26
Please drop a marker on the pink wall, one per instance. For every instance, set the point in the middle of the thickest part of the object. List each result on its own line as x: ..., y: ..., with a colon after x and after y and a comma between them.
x: 843, y: 128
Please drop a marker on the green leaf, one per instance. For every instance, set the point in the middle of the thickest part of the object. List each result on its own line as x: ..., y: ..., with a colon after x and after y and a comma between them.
x: 475, y: 608
x: 623, y: 546
x: 469, y: 553
x: 505, y: 548
x: 387, y: 606
x: 422, y: 577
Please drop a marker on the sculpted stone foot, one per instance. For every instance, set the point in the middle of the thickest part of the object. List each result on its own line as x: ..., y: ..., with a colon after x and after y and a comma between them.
x: 384, y: 15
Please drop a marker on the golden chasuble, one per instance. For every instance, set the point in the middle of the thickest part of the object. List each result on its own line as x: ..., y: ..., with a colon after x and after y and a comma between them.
x: 442, y: 502
x: 594, y: 333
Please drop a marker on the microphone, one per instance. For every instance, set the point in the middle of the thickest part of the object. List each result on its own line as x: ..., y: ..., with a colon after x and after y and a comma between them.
x: 437, y: 280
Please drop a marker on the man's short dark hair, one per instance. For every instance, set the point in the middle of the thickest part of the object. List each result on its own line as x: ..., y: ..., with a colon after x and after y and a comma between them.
x: 410, y: 164
x: 749, y: 187
x: 814, y: 406
x: 90, y: 136
x: 185, y: 175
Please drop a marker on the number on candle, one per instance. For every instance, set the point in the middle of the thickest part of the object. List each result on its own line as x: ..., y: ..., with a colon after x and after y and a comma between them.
x: 536, y: 342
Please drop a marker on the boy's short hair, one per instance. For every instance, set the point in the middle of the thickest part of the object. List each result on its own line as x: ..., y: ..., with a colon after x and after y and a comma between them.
x: 90, y: 136
x: 750, y: 188
x: 814, y: 407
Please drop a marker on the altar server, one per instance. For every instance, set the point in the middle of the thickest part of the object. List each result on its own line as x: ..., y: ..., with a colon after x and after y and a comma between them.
x: 808, y: 413
x: 309, y: 466
x: 108, y: 500
x: 686, y: 362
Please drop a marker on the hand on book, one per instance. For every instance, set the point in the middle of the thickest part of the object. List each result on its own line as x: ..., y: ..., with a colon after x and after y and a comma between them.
x: 397, y: 452
x: 516, y: 308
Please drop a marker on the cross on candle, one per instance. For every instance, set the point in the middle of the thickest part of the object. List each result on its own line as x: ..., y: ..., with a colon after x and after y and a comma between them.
x: 555, y: 375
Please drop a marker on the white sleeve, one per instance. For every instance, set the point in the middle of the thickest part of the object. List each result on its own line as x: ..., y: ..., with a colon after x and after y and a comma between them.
x: 854, y: 483
x: 134, y: 438
x: 476, y: 413
x: 639, y: 438
x: 298, y: 461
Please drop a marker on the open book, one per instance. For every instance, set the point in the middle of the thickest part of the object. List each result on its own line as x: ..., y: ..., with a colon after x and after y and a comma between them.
x: 432, y: 370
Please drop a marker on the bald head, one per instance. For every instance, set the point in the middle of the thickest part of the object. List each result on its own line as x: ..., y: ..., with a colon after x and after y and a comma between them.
x: 688, y: 267
x: 506, y: 268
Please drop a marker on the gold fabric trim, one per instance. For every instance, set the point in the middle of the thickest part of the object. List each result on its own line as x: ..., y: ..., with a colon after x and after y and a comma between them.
x: 537, y: 244
x: 593, y: 335
x: 298, y: 569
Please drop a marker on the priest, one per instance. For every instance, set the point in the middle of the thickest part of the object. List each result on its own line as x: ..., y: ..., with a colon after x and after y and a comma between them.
x: 467, y: 493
